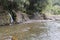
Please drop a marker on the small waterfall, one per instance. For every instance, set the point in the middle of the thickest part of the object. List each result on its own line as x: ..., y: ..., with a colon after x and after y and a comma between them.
x: 11, y: 19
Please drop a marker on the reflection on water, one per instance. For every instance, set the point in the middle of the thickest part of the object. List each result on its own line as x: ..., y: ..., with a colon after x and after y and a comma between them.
x: 47, y: 30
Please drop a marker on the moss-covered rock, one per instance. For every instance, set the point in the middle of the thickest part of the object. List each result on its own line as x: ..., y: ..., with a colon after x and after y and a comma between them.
x: 4, y: 18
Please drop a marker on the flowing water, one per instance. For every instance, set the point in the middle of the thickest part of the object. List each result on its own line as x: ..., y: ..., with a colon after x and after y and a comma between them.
x: 32, y: 30
x: 11, y: 19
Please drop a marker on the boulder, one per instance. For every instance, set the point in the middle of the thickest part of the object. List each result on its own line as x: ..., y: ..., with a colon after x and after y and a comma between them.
x: 4, y: 18
x: 21, y: 17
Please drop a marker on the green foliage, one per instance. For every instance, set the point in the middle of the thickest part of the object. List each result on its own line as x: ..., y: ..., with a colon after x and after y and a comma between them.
x: 56, y: 9
x: 9, y: 5
x: 36, y: 6
x: 53, y: 7
x: 25, y: 5
x: 31, y: 6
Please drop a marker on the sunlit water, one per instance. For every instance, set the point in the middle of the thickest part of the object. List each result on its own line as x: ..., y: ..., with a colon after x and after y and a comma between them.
x: 32, y: 30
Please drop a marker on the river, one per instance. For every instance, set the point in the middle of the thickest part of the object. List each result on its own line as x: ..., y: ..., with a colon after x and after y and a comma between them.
x: 32, y: 30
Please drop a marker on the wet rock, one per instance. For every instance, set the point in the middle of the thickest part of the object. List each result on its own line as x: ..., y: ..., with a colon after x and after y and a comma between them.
x: 38, y: 16
x: 54, y: 17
